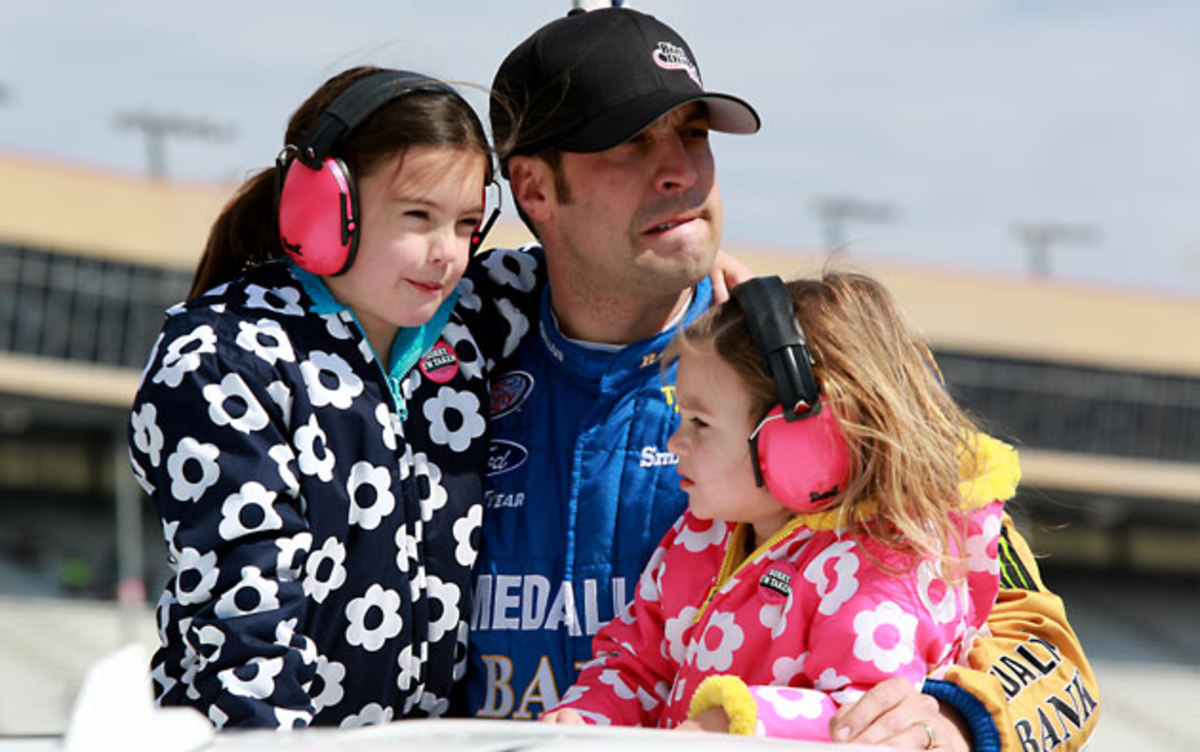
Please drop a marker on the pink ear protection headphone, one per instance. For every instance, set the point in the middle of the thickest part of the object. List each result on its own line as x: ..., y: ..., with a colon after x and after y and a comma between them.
x: 798, y: 451
x: 317, y: 200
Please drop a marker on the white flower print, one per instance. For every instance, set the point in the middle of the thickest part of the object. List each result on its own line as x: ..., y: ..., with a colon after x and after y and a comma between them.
x: 330, y: 380
x: 790, y: 703
x: 168, y: 530
x: 250, y: 510
x: 429, y: 483
x: 325, y: 569
x: 465, y: 551
x: 648, y: 588
x: 773, y: 616
x: 574, y: 693
x: 518, y: 325
x: 372, y: 714
x: 316, y: 457
x: 834, y: 591
x: 383, y: 416
x: 885, y: 636
x: 597, y: 719
x: 982, y: 554
x: 209, y: 641
x: 284, y: 457
x: 364, y: 349
x: 203, y: 457
x: 406, y: 544
x: 248, y: 415
x: 266, y: 339
x: 409, y: 384
x: 331, y: 674
x: 705, y: 533
x: 470, y: 360
x: 445, y: 593
x: 368, y: 508
x: 158, y: 676
x: 195, y: 576
x: 460, y: 651
x: 830, y: 680
x: 388, y: 622
x: 162, y: 611
x: 730, y: 639
x: 217, y: 717
x: 435, y: 706
x: 281, y: 395
x: 786, y: 668
x: 935, y: 593
x: 140, y: 476
x: 183, y: 355
x: 409, y: 662
x: 255, y: 678
x: 512, y: 269
x: 252, y: 595
x: 337, y: 328
x: 612, y: 678
x: 286, y: 719
x: 282, y: 300
x: 147, y: 436
x: 467, y: 297
x: 454, y: 418
x: 289, y: 562
x: 675, y: 631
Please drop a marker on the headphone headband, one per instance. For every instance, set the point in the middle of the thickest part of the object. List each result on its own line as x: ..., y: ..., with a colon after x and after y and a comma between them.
x: 771, y: 318
x: 356, y: 104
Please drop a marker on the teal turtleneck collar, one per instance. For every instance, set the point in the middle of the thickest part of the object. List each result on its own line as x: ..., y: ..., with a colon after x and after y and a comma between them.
x: 410, y: 342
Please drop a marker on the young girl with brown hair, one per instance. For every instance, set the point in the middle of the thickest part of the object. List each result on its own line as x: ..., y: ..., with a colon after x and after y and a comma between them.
x: 311, y: 422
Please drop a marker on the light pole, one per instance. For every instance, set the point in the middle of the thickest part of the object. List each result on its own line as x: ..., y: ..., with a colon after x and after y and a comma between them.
x: 156, y: 127
x: 836, y: 211
x: 1039, y: 237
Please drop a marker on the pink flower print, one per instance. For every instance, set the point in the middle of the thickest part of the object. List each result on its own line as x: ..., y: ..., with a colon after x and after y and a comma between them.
x: 787, y: 668
x: 885, y: 636
x: 936, y: 594
x: 698, y: 535
x: 790, y: 703
x: 833, y: 573
x: 721, y: 639
x: 982, y: 553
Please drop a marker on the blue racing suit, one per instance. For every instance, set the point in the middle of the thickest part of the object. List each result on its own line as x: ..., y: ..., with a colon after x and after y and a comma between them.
x: 581, y: 490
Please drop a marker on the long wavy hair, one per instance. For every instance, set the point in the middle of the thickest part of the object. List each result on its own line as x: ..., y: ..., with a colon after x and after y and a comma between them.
x: 246, y: 232
x: 909, y: 442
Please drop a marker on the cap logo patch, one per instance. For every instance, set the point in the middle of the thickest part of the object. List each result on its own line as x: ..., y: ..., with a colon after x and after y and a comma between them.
x: 673, y: 57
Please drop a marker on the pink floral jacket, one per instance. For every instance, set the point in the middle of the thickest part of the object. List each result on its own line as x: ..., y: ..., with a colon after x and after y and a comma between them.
x: 780, y: 638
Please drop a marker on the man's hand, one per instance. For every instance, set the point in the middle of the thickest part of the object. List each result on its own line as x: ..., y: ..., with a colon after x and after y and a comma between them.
x: 566, y: 717
x: 713, y: 720
x: 727, y: 272
x: 894, y: 714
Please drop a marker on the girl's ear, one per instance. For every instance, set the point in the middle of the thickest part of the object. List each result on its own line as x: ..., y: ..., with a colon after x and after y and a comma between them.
x: 532, y: 182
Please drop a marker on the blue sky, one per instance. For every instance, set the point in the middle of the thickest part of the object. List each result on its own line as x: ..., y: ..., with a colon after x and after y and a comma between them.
x: 963, y: 116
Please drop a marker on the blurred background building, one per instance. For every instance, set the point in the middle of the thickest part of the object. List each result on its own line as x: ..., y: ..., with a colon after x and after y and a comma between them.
x: 1099, y: 388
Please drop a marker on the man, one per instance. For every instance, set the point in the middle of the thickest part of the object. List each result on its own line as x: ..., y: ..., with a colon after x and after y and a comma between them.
x: 602, y: 126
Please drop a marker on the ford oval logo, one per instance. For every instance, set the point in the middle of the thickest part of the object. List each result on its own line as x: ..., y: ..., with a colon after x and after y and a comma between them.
x: 504, y: 456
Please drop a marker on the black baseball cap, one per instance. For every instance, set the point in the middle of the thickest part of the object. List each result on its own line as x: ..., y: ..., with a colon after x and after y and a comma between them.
x: 592, y: 80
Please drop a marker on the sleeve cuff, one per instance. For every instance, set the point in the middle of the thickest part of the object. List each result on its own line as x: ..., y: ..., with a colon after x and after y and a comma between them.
x: 732, y: 695
x: 985, y: 736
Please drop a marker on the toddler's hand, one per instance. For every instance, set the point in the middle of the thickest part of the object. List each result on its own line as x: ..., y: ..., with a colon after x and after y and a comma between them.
x: 566, y: 716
